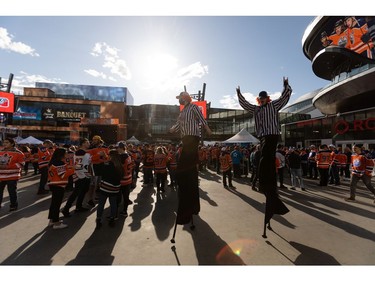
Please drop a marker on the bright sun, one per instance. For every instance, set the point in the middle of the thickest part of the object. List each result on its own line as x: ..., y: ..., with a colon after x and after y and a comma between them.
x: 160, y: 70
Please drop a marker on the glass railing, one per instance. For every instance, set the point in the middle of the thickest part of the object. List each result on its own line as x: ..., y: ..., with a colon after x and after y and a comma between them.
x: 345, y: 75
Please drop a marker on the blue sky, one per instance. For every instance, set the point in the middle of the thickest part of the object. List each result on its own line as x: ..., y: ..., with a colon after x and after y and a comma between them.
x: 157, y: 54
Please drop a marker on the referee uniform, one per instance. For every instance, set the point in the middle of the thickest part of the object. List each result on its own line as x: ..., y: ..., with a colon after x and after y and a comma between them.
x: 267, y: 128
x: 189, y: 124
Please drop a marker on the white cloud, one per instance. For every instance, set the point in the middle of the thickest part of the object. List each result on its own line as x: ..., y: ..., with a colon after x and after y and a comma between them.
x: 231, y: 101
x: 28, y: 80
x: 95, y: 73
x: 161, y: 73
x: 112, y: 62
x: 195, y: 70
x: 7, y: 43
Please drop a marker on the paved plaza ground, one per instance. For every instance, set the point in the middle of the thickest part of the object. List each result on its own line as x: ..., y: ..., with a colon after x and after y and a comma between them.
x: 320, y: 229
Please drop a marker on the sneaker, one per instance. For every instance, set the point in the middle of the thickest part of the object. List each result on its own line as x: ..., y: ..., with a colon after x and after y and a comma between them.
x: 350, y: 199
x: 283, y: 186
x: 303, y: 189
x: 13, y: 208
x: 293, y: 188
x: 225, y: 186
x: 51, y: 223
x: 66, y: 213
x: 124, y: 214
x: 60, y: 226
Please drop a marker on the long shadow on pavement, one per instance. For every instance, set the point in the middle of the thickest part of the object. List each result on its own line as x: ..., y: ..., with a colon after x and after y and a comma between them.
x: 163, y: 217
x: 42, y: 247
x: 98, y: 248
x: 142, y: 208
x: 210, y: 249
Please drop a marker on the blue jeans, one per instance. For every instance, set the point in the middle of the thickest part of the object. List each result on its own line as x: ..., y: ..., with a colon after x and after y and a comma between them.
x: 12, y: 190
x: 296, y: 175
x: 103, y: 199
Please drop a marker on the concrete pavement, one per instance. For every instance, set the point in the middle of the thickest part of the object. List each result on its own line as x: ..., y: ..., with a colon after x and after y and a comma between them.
x: 320, y: 229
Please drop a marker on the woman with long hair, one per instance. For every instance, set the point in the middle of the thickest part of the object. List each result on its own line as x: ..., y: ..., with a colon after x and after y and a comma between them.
x: 58, y: 175
x: 111, y: 174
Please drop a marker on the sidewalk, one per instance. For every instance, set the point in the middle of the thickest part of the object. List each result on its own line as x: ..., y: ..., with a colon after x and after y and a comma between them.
x: 320, y: 229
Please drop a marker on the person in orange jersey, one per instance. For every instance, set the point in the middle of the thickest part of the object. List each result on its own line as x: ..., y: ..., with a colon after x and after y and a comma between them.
x: 323, y: 161
x: 361, y: 170
x: 44, y: 156
x: 226, y: 167
x: 58, y: 174
x: 160, y: 168
x: 11, y: 162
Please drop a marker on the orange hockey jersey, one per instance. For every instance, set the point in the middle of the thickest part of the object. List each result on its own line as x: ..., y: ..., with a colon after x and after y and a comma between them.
x: 58, y: 174
x: 11, y: 163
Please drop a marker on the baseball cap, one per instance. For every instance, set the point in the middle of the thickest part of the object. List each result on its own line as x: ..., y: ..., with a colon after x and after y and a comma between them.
x: 263, y: 94
x: 185, y: 96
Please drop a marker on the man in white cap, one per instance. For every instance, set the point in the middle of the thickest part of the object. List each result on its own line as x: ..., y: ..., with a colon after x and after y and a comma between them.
x: 189, y: 124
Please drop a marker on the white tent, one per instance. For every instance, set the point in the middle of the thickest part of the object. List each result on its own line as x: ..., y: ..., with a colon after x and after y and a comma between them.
x: 30, y: 140
x: 133, y: 140
x: 17, y: 139
x: 242, y: 136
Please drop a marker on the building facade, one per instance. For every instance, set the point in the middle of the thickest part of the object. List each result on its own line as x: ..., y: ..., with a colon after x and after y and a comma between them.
x: 67, y: 116
x: 341, y: 50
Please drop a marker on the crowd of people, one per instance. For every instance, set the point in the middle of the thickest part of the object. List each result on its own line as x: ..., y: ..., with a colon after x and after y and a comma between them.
x: 93, y: 172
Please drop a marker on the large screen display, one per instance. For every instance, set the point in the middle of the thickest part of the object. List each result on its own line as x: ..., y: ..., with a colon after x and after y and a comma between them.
x: 355, y: 33
x: 6, y: 102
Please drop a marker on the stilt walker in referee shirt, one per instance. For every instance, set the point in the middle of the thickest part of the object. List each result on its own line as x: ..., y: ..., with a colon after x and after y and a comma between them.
x: 188, y: 124
x: 267, y: 128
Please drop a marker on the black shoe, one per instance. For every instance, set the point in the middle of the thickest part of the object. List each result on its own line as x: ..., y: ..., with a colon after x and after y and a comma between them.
x: 124, y: 214
x: 66, y: 213
x: 41, y: 192
x: 81, y: 209
x: 283, y: 186
x: 112, y: 221
x: 109, y: 218
x: 13, y: 208
x: 91, y: 203
x: 225, y: 186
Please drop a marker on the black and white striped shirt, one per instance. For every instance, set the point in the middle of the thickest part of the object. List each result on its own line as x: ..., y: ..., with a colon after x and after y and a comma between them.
x: 190, y: 121
x: 267, y: 116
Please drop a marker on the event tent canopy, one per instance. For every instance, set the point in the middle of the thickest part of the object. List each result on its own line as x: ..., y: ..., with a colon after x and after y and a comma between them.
x: 133, y: 140
x: 30, y: 140
x: 242, y: 136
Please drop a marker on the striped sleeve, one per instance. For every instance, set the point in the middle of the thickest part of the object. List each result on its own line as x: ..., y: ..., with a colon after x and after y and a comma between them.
x: 245, y: 104
x: 284, y: 98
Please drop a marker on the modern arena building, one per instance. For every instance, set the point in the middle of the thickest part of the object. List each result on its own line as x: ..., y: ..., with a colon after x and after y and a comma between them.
x: 341, y: 50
